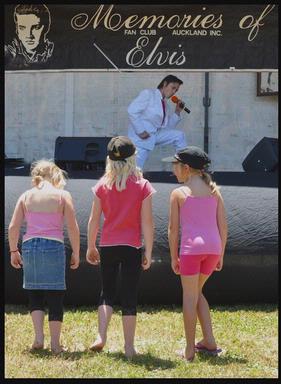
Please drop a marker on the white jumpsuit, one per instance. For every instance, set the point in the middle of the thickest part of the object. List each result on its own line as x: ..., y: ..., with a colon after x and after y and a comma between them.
x: 146, y: 114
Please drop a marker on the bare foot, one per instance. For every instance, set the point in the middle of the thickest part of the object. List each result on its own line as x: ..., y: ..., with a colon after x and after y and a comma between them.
x: 130, y: 352
x: 58, y: 349
x: 189, y: 354
x: 37, y: 345
x: 98, y: 345
x: 207, y: 344
x: 188, y: 357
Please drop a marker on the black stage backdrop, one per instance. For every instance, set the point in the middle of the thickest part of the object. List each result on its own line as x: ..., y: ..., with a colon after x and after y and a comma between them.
x: 191, y: 36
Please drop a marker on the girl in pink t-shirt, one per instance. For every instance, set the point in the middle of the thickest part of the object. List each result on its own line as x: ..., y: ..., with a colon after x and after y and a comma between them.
x: 124, y: 198
x: 197, y: 209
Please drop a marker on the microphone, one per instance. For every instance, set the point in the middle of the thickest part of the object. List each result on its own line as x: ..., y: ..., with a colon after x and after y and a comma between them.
x: 175, y: 99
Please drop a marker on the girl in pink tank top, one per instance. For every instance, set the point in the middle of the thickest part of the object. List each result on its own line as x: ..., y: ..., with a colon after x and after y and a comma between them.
x: 197, y: 211
x: 44, y: 208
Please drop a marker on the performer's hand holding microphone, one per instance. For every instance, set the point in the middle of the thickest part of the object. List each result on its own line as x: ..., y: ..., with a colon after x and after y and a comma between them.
x: 176, y: 100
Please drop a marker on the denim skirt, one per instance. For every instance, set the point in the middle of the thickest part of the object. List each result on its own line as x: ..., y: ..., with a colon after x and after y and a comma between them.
x: 43, y: 264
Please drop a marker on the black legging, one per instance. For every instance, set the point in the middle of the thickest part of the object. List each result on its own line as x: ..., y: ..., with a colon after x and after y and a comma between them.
x: 130, y: 260
x: 53, y: 298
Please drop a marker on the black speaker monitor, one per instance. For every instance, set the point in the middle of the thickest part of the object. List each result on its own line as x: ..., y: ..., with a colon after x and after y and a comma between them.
x: 81, y: 153
x: 81, y: 149
x: 263, y: 157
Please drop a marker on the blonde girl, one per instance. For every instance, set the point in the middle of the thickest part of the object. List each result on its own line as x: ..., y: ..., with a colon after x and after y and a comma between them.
x: 44, y: 207
x: 197, y: 209
x: 124, y: 197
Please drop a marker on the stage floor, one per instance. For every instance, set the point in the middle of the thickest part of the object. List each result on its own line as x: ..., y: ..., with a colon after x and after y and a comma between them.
x: 250, y: 179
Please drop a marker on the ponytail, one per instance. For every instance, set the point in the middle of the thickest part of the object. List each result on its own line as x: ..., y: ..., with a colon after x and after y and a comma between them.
x: 47, y: 170
x: 208, y: 180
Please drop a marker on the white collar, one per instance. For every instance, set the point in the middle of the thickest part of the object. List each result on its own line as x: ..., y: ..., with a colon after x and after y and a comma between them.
x: 159, y: 93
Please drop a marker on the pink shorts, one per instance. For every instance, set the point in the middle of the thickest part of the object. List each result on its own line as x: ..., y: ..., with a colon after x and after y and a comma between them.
x: 195, y: 264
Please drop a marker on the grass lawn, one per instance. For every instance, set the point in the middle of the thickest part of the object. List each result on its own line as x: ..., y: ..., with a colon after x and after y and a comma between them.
x: 248, y: 336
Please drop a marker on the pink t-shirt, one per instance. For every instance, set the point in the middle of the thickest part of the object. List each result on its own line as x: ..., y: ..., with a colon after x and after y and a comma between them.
x: 122, y: 211
x: 199, y: 229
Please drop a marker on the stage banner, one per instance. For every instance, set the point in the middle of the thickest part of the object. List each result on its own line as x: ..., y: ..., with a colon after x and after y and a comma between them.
x: 141, y: 37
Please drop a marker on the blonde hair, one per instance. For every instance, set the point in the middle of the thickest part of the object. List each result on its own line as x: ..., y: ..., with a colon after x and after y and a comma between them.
x: 206, y: 178
x: 47, y: 170
x: 117, y: 172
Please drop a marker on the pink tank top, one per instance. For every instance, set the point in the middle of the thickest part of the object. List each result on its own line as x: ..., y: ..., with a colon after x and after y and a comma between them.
x: 44, y: 224
x: 199, y: 229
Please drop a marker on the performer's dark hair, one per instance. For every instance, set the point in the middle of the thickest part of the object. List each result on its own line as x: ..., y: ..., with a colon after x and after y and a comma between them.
x: 169, y: 79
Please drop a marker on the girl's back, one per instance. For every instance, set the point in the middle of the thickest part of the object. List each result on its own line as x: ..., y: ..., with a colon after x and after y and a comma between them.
x: 198, y: 219
x: 44, y: 199
x: 43, y: 208
x: 122, y: 211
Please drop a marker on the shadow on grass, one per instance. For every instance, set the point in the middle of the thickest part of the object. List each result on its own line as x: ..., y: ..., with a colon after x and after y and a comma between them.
x: 146, y: 360
x: 222, y: 359
x: 68, y: 355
